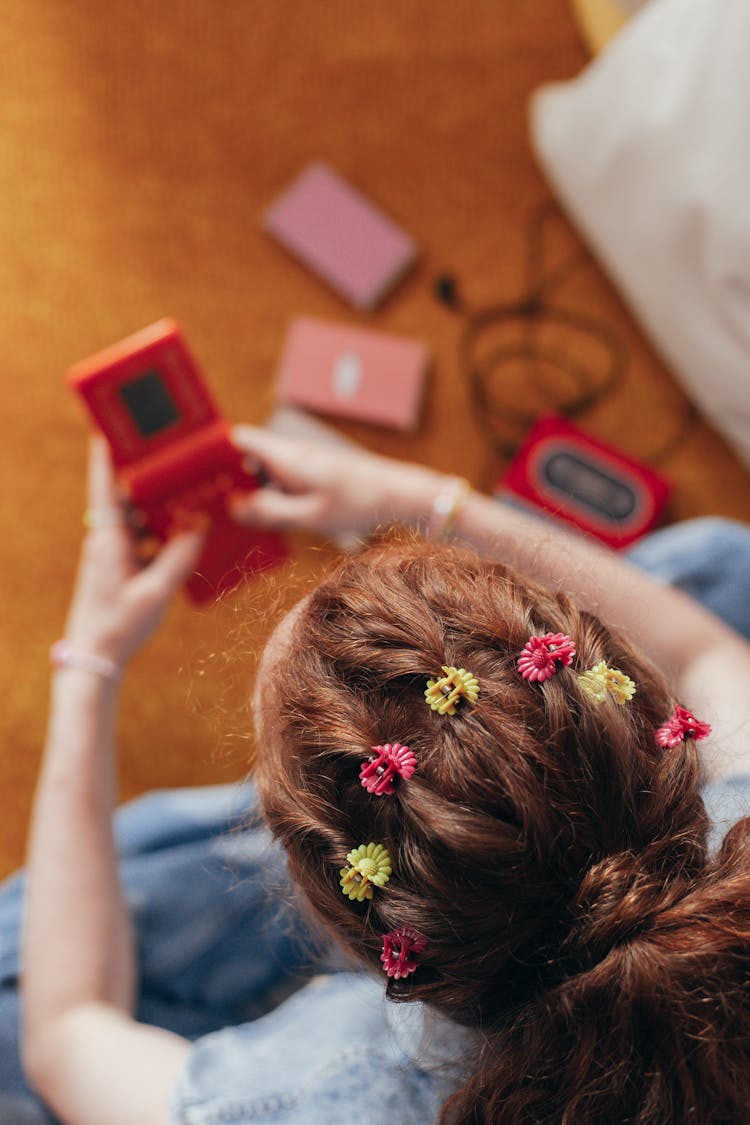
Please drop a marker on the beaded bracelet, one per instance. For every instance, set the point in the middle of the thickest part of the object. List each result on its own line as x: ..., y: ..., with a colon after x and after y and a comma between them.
x: 64, y: 655
x: 447, y: 507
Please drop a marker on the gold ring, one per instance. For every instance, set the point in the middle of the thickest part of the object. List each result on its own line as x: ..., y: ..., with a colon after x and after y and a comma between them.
x: 103, y: 517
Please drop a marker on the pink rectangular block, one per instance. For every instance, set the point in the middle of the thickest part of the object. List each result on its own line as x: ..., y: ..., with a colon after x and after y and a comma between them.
x: 341, y: 236
x: 353, y: 373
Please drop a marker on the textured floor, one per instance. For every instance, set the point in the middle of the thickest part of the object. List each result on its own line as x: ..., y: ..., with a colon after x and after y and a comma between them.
x: 139, y: 144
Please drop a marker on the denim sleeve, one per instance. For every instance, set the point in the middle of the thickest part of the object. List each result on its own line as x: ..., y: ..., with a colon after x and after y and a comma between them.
x: 326, y: 1056
x: 708, y: 558
x: 727, y: 800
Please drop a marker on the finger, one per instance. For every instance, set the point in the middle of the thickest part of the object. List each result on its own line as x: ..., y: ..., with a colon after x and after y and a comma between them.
x: 109, y: 544
x: 102, y: 484
x: 267, y: 507
x: 277, y: 454
x: 174, y: 563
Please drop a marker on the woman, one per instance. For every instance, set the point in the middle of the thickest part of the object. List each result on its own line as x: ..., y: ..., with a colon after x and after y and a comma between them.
x: 546, y: 853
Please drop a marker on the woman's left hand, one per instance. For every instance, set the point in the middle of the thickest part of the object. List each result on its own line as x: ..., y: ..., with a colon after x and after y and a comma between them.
x: 117, y: 604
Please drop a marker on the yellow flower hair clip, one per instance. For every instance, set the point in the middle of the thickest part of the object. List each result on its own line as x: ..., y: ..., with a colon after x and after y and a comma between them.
x: 443, y: 694
x: 601, y: 680
x: 370, y: 867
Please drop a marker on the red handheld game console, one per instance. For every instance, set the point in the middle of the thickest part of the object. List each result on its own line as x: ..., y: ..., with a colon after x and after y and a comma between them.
x: 172, y: 451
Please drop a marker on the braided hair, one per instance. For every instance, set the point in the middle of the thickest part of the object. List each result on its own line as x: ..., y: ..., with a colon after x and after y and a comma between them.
x: 551, y: 854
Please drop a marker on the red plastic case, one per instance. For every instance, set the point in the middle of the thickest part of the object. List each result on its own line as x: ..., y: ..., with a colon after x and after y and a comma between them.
x: 172, y: 451
x: 575, y: 477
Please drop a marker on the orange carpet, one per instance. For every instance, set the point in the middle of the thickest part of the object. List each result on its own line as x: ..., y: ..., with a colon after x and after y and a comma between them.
x: 139, y: 144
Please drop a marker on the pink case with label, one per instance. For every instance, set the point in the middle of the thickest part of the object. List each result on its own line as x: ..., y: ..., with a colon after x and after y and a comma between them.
x: 353, y: 373
x: 341, y: 236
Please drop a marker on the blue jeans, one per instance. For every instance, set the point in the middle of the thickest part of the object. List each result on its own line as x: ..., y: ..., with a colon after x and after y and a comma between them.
x: 220, y: 941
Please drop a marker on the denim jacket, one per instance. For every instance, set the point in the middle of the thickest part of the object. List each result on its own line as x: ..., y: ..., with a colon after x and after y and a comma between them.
x: 334, y: 1053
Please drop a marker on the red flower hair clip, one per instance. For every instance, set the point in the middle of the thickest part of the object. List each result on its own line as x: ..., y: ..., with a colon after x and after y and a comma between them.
x: 683, y: 724
x: 399, y: 947
x: 391, y: 760
x: 541, y: 655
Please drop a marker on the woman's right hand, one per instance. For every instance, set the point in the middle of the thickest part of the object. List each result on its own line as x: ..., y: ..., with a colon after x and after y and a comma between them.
x: 312, y: 486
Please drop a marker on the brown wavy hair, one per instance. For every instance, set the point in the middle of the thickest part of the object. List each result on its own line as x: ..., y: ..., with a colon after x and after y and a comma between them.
x: 553, y: 856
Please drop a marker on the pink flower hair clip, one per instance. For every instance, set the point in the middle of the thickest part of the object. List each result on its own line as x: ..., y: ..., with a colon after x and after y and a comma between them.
x: 399, y: 947
x: 542, y: 654
x: 392, y: 760
x: 683, y: 724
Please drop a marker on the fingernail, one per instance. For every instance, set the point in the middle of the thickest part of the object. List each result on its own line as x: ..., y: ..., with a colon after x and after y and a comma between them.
x: 253, y: 465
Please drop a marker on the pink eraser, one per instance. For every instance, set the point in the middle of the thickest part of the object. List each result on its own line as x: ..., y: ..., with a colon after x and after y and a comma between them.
x: 341, y: 236
x: 353, y: 373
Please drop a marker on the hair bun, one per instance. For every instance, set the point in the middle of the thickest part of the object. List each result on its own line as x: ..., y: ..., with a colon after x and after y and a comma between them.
x: 618, y: 900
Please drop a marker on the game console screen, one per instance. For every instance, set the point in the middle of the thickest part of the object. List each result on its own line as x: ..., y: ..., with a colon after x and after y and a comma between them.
x: 149, y: 403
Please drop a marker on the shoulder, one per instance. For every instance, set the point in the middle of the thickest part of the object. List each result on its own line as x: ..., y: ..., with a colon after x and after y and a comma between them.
x: 330, y: 1055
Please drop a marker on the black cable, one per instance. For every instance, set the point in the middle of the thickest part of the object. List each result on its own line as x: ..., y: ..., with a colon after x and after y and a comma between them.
x: 497, y: 413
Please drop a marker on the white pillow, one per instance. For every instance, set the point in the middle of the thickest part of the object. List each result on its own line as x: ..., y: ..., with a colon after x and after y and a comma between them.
x: 649, y: 150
